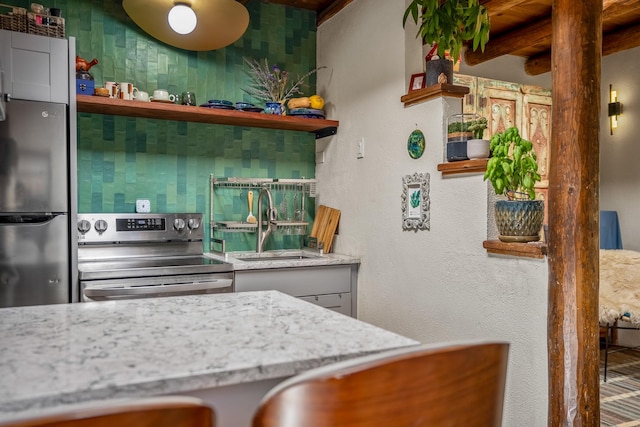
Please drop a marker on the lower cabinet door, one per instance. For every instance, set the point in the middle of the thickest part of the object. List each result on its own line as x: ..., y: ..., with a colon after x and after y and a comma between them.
x: 336, y: 302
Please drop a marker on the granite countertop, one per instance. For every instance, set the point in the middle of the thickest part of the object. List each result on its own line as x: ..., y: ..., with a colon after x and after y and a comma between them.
x: 67, y: 353
x: 285, y: 258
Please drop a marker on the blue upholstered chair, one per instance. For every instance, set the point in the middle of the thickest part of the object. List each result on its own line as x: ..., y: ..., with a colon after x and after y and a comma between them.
x: 610, y: 237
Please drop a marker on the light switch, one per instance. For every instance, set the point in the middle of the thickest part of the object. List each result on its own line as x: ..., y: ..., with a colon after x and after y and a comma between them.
x: 143, y: 206
x: 360, y: 154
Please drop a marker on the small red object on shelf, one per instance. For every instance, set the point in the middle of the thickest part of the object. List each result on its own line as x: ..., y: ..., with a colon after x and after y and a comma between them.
x: 431, y: 53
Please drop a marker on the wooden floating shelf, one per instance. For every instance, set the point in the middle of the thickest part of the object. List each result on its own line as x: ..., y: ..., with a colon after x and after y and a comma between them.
x: 188, y: 113
x: 463, y: 166
x: 435, y: 91
x: 528, y: 250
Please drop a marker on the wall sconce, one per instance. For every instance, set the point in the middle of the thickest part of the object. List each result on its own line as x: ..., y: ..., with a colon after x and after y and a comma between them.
x: 190, y: 24
x: 615, y: 109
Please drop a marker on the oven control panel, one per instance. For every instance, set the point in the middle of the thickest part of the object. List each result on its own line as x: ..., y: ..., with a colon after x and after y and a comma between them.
x: 141, y: 224
x: 139, y: 227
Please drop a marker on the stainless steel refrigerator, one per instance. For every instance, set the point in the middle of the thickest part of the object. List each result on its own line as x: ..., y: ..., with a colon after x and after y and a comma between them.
x: 34, y: 204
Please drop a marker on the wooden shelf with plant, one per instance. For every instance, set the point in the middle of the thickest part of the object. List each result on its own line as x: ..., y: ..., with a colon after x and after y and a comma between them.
x: 189, y: 113
x: 448, y: 25
x: 513, y: 173
x: 434, y: 91
x: 267, y: 83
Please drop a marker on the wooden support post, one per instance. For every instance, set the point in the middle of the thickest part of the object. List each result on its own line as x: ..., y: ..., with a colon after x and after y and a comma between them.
x: 573, y: 215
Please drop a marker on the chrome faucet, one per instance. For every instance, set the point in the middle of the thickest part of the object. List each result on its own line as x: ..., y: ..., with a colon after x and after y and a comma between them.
x: 271, y: 216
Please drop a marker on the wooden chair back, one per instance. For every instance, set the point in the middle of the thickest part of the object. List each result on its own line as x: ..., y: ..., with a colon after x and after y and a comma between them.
x: 451, y: 385
x: 150, y: 412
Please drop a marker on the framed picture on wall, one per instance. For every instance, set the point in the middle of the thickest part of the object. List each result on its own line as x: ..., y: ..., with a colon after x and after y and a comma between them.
x: 417, y: 81
x: 416, y: 202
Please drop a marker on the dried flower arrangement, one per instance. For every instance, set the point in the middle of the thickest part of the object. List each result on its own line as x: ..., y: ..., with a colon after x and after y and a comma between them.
x: 271, y: 84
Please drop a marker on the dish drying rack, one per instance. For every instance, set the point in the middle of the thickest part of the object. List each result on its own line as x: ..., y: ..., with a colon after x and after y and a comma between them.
x: 293, y: 225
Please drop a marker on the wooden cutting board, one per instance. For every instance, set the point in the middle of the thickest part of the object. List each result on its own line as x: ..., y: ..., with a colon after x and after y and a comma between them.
x: 330, y: 229
x: 325, y: 225
x: 318, y: 219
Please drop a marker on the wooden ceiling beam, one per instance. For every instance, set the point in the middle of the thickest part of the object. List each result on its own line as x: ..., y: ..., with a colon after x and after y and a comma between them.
x: 331, y: 10
x: 620, y: 40
x: 612, y: 9
x: 538, y: 64
x: 512, y: 41
x: 496, y: 7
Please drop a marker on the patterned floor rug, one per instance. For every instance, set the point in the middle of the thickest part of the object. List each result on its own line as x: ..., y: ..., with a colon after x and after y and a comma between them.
x: 620, y: 395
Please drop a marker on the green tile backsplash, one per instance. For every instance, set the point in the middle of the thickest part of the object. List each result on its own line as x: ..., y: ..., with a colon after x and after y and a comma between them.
x: 121, y: 159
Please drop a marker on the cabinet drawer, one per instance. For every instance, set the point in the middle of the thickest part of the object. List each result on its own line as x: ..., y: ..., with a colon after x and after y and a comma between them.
x: 336, y: 302
x: 299, y: 281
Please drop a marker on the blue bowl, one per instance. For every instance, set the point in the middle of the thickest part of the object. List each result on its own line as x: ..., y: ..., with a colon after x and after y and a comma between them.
x: 242, y: 105
x: 221, y: 102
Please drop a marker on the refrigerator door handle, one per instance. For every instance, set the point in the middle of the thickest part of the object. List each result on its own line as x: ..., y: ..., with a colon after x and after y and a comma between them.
x: 17, y: 220
x: 4, y: 97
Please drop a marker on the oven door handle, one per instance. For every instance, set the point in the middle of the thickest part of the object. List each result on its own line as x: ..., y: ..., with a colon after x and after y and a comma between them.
x: 177, y: 289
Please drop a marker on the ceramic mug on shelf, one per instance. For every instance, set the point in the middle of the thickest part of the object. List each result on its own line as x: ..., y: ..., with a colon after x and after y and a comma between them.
x: 141, y: 96
x: 163, y: 95
x: 113, y: 89
x: 188, y: 98
x: 127, y: 91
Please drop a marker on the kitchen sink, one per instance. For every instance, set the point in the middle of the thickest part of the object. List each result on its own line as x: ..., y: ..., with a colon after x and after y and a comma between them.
x: 276, y: 257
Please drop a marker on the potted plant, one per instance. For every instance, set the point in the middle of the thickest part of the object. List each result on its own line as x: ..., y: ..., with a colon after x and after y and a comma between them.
x: 447, y: 25
x: 478, y: 147
x: 458, y: 134
x: 513, y: 172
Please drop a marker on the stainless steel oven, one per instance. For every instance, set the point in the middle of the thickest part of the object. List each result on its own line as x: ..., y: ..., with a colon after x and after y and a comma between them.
x: 122, y: 256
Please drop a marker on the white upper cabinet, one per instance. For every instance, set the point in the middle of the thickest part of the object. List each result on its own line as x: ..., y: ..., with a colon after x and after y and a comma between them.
x: 35, y: 67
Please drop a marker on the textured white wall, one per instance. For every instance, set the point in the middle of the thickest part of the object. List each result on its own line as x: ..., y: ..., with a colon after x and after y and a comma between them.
x: 620, y: 152
x: 437, y: 285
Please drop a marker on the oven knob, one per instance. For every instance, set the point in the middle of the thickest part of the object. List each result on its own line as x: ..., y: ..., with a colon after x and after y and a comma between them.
x: 84, y: 226
x: 178, y: 224
x: 193, y: 223
x: 101, y: 226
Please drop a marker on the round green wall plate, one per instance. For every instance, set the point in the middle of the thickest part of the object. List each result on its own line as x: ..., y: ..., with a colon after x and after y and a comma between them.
x: 415, y: 144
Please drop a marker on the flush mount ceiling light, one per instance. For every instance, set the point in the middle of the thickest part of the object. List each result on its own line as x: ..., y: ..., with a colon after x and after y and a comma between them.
x: 182, y: 19
x: 192, y: 25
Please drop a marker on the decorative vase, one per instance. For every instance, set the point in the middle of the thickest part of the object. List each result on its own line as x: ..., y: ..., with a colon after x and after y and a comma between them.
x: 519, y: 220
x: 273, y: 108
x: 435, y: 67
x: 478, y: 148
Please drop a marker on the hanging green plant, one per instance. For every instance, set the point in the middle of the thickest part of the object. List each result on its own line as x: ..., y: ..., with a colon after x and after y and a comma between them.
x: 450, y: 23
